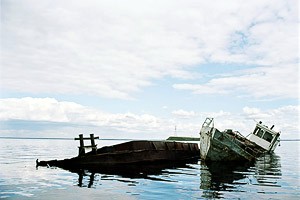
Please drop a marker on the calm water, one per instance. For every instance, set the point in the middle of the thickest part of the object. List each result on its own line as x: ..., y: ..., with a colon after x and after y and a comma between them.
x: 271, y: 177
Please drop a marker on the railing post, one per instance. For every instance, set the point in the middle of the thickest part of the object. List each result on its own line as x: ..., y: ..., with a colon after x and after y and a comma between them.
x: 81, y: 147
x: 93, y: 143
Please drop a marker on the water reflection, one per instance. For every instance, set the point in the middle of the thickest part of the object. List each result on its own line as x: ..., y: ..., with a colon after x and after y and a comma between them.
x: 216, y: 178
x: 88, y: 176
x: 273, y: 176
x: 268, y: 170
x: 220, y: 176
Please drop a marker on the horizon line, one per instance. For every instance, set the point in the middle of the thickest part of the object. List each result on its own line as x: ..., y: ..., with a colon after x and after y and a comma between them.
x: 67, y: 138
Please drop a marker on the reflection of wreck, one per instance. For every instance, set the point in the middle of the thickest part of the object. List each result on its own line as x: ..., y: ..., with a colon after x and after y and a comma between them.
x: 218, y: 177
x: 128, y: 153
x: 268, y: 170
x: 229, y: 146
x: 89, y: 175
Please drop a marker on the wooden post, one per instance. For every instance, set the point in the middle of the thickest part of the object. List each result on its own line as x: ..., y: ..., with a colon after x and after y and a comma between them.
x: 81, y: 147
x: 81, y: 140
x: 94, y: 147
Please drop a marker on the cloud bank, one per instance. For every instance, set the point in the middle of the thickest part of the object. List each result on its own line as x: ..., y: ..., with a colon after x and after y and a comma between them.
x: 114, y: 49
x: 76, y: 118
x: 259, y: 83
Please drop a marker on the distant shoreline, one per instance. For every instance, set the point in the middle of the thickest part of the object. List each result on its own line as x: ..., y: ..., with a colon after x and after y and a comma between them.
x: 64, y: 138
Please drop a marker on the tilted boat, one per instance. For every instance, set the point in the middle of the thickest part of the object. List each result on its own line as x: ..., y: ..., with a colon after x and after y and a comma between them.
x: 128, y: 153
x: 230, y: 146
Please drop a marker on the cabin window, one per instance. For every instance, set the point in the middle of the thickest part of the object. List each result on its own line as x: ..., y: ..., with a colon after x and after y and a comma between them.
x: 260, y: 133
x: 268, y: 136
x: 256, y: 130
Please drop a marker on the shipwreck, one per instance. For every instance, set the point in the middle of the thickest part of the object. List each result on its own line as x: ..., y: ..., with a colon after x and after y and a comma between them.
x: 233, y: 146
x: 126, y: 154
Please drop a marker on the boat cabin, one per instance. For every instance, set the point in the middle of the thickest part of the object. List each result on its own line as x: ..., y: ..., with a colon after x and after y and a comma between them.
x: 265, y: 137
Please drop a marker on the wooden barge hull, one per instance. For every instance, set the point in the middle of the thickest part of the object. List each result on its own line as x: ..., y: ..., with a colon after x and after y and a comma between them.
x: 133, y: 152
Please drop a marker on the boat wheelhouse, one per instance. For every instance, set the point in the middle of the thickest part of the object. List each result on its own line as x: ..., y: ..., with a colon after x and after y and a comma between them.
x: 265, y: 137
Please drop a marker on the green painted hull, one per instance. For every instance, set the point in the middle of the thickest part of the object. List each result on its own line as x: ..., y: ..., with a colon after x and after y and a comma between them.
x: 178, y: 138
x: 223, y: 146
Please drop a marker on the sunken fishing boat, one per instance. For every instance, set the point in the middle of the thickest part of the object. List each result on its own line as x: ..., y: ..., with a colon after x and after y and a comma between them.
x: 231, y: 145
x: 127, y: 153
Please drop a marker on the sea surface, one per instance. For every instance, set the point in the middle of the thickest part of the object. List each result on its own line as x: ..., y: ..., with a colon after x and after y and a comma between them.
x: 273, y: 176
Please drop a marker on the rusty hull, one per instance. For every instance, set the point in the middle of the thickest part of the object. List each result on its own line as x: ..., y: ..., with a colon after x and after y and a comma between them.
x: 226, y: 146
x: 133, y: 152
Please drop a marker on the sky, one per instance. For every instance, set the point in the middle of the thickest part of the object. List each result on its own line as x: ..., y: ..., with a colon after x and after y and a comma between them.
x: 144, y: 69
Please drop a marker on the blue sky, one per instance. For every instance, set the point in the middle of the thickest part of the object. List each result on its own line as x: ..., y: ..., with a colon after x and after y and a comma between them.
x: 137, y: 69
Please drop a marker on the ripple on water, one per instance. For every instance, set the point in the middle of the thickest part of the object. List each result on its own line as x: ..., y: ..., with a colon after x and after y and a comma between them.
x: 274, y: 176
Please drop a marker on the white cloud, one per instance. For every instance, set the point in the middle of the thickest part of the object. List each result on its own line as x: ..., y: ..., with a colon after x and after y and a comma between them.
x: 260, y: 82
x: 285, y: 118
x: 220, y: 113
x: 51, y: 110
x: 183, y: 113
x: 37, y: 109
x: 75, y: 118
x: 100, y: 48
x: 255, y: 113
x: 191, y: 114
x: 113, y: 49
